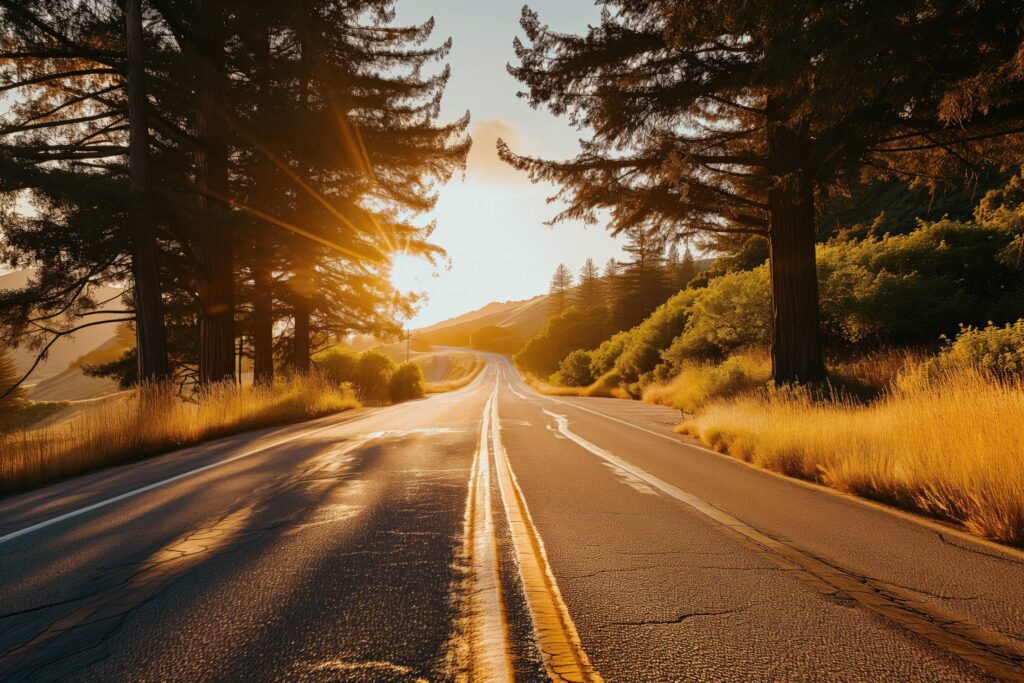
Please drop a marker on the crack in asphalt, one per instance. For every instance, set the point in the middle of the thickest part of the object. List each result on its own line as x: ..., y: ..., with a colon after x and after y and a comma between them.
x: 677, y: 619
x: 978, y: 551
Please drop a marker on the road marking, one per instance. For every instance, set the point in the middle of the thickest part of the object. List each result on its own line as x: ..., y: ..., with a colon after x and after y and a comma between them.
x: 163, y: 482
x: 941, y: 528
x: 559, y: 642
x: 996, y: 655
x: 489, y: 652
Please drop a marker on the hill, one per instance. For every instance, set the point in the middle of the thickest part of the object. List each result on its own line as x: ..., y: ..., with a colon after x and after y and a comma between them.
x: 63, y: 353
x: 520, y: 320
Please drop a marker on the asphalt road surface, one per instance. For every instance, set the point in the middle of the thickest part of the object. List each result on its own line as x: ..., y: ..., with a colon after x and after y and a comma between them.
x: 489, y: 534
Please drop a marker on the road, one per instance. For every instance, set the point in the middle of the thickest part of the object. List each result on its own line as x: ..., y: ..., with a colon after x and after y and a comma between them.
x: 489, y: 534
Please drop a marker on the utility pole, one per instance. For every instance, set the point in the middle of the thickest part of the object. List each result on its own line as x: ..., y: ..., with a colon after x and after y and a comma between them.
x: 408, y: 337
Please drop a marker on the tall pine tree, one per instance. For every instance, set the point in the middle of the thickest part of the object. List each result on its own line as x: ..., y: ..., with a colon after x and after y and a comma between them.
x: 727, y: 119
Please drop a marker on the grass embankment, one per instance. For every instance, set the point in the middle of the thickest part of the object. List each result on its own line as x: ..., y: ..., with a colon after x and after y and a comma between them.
x: 605, y: 387
x: 157, y: 421
x: 462, y: 369
x: 947, y: 444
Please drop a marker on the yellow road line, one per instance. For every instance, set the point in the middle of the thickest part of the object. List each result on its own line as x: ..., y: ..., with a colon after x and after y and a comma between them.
x: 489, y: 653
x: 564, y: 657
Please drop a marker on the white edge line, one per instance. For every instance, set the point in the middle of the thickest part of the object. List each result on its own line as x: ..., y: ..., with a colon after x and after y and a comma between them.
x: 149, y: 487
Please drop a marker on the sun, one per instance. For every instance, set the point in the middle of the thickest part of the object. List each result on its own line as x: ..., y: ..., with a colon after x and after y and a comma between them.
x: 410, y: 273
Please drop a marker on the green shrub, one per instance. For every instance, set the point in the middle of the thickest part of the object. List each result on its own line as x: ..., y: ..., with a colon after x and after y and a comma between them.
x: 573, y: 329
x: 642, y: 351
x: 604, y: 357
x: 574, y: 370
x: 998, y: 350
x: 407, y: 382
x: 732, y: 312
x: 373, y: 376
x: 339, y: 365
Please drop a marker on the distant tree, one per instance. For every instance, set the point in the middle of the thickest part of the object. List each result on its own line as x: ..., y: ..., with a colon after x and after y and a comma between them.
x: 686, y: 270
x: 642, y: 284
x: 561, y: 283
x: 572, y: 329
x: 9, y: 377
x: 590, y: 290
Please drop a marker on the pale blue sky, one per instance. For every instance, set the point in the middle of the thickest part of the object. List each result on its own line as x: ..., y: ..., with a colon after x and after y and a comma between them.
x: 491, y: 222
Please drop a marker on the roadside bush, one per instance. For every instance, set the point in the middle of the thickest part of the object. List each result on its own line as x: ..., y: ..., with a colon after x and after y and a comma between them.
x: 645, y: 342
x: 733, y: 311
x: 574, y: 370
x: 338, y: 365
x: 992, y: 349
x: 373, y: 376
x: 698, y: 384
x: 604, y: 357
x: 407, y: 382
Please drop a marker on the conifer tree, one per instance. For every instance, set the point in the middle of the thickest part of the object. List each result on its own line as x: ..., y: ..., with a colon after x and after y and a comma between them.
x: 590, y: 290
x: 9, y: 375
x: 561, y: 283
x: 641, y: 285
x: 728, y: 119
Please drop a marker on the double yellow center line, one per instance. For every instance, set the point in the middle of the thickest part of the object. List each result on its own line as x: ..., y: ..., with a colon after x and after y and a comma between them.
x: 557, y: 638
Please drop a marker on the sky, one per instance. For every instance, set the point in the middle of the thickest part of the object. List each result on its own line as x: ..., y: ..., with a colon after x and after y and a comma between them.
x: 491, y: 220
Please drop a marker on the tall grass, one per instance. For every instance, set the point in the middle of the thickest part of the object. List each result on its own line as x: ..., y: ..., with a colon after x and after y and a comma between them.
x: 950, y: 446
x: 698, y: 384
x: 156, y: 420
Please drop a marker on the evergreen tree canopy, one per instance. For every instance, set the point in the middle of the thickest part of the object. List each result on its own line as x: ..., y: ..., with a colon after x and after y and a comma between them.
x: 728, y: 118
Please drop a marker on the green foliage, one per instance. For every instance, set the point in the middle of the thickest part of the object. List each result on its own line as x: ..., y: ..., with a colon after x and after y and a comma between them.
x: 574, y: 370
x: 904, y: 290
x: 998, y: 350
x: 373, y: 376
x: 407, y: 382
x: 642, y: 351
x: 732, y: 312
x: 575, y: 328
x: 603, y: 358
x: 370, y: 373
x: 340, y: 365
x: 494, y: 338
x: 910, y: 289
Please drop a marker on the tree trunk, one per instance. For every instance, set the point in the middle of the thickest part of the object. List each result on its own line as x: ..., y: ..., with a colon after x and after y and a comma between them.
x: 263, y: 282
x: 151, y: 340
x: 796, y: 336
x: 216, y: 289
x: 301, y: 349
x: 262, y: 323
x: 302, y: 280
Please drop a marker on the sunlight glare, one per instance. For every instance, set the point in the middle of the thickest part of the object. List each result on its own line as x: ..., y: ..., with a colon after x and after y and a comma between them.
x: 410, y: 273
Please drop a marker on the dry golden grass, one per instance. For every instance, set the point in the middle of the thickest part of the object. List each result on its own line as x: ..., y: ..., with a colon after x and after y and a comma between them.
x: 599, y: 389
x: 699, y: 384
x: 951, y: 447
x: 155, y: 421
x: 462, y: 369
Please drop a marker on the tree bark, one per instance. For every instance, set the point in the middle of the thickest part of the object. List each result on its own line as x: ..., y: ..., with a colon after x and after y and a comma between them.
x: 301, y: 348
x: 150, y: 336
x: 796, y: 336
x: 263, y: 282
x: 216, y: 288
x: 302, y: 279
